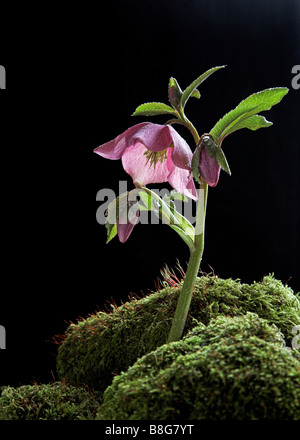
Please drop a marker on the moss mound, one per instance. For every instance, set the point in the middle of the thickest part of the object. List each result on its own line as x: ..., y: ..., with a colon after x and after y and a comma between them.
x: 105, y: 344
x: 56, y: 401
x: 235, y: 368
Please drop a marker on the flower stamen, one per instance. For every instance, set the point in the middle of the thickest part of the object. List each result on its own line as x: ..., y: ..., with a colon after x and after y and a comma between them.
x: 153, y: 157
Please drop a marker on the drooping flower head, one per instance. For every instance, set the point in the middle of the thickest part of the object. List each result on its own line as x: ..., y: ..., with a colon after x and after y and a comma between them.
x: 153, y: 153
x: 207, y: 161
x: 209, y: 169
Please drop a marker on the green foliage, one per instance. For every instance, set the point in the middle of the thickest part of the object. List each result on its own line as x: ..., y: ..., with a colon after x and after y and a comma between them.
x: 111, y: 230
x: 177, y: 98
x: 252, y: 123
x: 174, y: 195
x: 214, y: 151
x: 165, y: 210
x: 153, y: 109
x: 245, y: 114
x: 233, y: 369
x: 56, y: 401
x: 175, y: 93
x: 124, y: 207
x: 196, y: 94
x: 195, y: 162
x: 189, y: 91
x: 105, y: 344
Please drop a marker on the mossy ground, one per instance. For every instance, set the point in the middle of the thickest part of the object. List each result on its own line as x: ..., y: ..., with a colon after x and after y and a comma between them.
x: 235, y: 368
x: 55, y: 401
x: 225, y: 367
x: 105, y: 344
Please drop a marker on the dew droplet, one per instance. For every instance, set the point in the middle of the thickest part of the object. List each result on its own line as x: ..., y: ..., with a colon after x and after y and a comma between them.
x: 156, y: 204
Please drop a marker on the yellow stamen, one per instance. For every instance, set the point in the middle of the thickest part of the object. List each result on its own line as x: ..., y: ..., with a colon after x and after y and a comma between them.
x: 154, y: 156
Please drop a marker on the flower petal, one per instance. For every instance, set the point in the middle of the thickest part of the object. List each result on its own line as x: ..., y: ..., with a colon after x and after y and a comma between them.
x: 127, y: 219
x: 154, y: 137
x: 115, y: 148
x: 209, y: 168
x: 142, y: 172
x: 182, y: 180
x: 182, y: 154
x: 124, y: 229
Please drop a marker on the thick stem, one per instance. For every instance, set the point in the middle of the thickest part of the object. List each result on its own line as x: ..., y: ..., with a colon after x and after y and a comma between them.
x: 189, y: 125
x: 187, y: 290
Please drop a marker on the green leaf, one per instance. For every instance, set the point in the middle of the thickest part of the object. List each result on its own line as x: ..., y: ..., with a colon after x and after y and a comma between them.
x: 170, y: 216
x: 111, y: 231
x: 265, y: 99
x: 180, y: 219
x: 175, y: 195
x: 251, y: 122
x: 115, y: 209
x: 222, y: 161
x: 249, y: 107
x: 187, y: 239
x: 113, y: 215
x: 154, y: 203
x: 210, y: 145
x: 152, y: 109
x: 143, y: 208
x: 183, y: 223
x: 195, y: 162
x: 196, y: 94
x: 146, y: 198
x: 193, y: 86
x: 214, y: 151
x: 228, y: 121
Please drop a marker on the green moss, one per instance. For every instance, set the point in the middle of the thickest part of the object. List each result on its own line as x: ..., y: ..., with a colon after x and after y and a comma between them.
x: 105, y: 344
x: 235, y: 368
x: 56, y: 401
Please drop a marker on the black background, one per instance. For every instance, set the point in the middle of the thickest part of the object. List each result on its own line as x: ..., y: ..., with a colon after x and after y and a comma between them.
x: 74, y: 77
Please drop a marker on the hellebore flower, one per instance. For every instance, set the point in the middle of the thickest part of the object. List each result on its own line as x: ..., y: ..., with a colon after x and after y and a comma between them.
x: 122, y: 215
x: 207, y: 161
x: 153, y: 153
x: 209, y: 168
x: 126, y: 222
x: 125, y: 229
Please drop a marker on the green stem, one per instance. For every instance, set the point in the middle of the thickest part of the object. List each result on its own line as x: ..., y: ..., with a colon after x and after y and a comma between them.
x: 187, y: 290
x: 185, y: 297
x: 189, y: 125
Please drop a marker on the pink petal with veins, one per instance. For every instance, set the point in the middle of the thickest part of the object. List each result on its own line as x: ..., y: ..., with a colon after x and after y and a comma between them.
x: 135, y: 164
x: 209, y: 168
x: 181, y: 154
x: 124, y: 229
x: 182, y: 180
x: 115, y: 148
x: 154, y: 137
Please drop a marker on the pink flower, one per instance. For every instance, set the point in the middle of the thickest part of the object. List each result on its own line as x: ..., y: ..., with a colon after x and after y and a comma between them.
x: 209, y: 168
x: 126, y: 223
x: 124, y: 230
x: 207, y: 161
x: 153, y: 153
